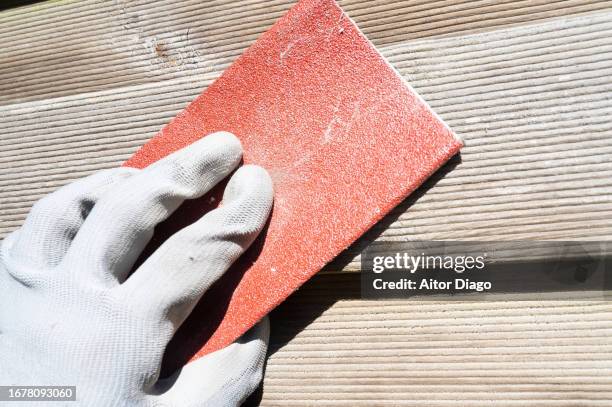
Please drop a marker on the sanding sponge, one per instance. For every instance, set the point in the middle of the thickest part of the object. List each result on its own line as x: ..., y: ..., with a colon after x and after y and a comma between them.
x: 343, y: 136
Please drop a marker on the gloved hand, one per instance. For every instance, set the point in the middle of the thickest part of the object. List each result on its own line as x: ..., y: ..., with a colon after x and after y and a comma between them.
x: 70, y: 316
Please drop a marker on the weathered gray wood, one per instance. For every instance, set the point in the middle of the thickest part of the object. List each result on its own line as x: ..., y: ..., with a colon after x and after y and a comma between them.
x: 331, y: 348
x: 526, y: 83
x: 94, y: 45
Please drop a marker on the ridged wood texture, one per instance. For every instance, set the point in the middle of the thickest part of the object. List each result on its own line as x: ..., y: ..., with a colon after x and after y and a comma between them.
x: 525, y: 83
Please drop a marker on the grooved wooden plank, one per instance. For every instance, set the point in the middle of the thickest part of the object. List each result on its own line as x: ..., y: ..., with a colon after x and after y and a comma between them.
x: 120, y: 43
x: 525, y: 82
x: 330, y: 345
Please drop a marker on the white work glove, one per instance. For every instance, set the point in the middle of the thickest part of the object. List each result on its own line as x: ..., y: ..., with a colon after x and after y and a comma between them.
x: 69, y: 315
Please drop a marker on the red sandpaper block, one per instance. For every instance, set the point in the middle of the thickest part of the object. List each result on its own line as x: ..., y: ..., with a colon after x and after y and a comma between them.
x: 343, y: 136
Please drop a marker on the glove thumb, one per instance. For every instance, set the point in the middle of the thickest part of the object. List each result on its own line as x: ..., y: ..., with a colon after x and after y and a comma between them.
x: 223, y: 378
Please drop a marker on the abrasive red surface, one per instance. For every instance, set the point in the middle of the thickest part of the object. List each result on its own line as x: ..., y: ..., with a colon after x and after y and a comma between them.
x: 344, y: 138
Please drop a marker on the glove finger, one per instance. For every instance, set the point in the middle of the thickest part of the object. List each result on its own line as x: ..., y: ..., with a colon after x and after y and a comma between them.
x: 171, y: 281
x: 223, y: 378
x: 122, y: 222
x: 54, y: 220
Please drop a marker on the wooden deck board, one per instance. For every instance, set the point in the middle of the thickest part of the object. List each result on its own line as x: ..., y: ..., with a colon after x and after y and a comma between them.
x: 525, y: 83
